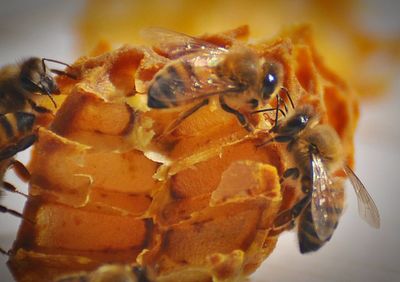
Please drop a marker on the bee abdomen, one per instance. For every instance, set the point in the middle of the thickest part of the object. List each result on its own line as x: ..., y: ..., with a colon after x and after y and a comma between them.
x: 7, y: 126
x: 164, y: 92
x: 14, y: 125
x: 308, y: 238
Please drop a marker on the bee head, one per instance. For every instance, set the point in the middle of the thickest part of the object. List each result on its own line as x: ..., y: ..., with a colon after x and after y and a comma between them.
x: 36, y: 77
x: 303, y: 116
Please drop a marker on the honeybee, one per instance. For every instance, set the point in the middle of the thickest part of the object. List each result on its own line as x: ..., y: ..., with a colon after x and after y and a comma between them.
x: 18, y: 85
x: 20, y: 82
x: 199, y: 70
x: 317, y: 152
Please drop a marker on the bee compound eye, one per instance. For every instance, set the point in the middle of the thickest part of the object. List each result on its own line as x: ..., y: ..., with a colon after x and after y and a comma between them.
x: 270, y: 83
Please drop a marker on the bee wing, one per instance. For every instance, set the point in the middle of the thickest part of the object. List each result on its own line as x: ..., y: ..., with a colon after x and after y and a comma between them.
x: 189, y: 79
x: 324, y: 212
x: 366, y: 207
x: 175, y: 44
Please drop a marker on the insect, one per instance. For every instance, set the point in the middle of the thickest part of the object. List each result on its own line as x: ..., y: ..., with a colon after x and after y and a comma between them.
x: 23, y: 174
x: 199, y: 70
x: 317, y: 151
x: 18, y: 85
x: 20, y: 82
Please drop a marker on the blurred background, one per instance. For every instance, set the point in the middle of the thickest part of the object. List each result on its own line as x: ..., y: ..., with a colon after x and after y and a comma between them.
x: 360, y: 40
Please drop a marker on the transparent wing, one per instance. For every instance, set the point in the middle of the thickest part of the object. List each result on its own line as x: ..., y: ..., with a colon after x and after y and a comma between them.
x: 366, y: 207
x: 175, y: 44
x: 324, y: 212
x: 191, y: 78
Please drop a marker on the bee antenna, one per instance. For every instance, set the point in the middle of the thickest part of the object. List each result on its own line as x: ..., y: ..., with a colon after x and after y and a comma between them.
x: 59, y: 72
x: 52, y: 100
x: 49, y: 95
x: 6, y: 253
x: 54, y: 61
x: 288, y: 95
x: 268, y: 110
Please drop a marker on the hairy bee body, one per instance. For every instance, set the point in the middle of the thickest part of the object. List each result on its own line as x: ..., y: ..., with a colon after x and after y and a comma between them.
x: 12, y: 94
x: 238, y: 76
x: 170, y: 85
x: 15, y: 133
x: 317, y: 152
x: 233, y: 74
x: 18, y: 85
x: 309, y: 240
x: 20, y: 82
x: 325, y: 139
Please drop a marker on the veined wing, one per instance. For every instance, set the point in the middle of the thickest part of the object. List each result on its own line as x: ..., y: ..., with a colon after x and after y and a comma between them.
x: 325, y: 214
x: 176, y: 45
x: 188, y: 79
x: 366, y: 207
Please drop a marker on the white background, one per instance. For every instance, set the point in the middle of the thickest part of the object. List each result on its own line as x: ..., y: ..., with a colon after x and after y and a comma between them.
x: 356, y: 252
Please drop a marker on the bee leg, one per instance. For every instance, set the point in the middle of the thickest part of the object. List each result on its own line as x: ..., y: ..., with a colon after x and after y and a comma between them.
x: 39, y: 109
x: 287, y: 217
x: 242, y: 119
x: 293, y: 172
x: 182, y: 116
x: 11, y: 188
x: 20, y: 170
x: 3, y: 209
x: 13, y: 149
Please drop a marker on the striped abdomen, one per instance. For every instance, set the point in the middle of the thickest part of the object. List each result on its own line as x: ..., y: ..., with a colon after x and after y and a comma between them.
x: 307, y: 236
x: 173, y: 86
x: 15, y: 133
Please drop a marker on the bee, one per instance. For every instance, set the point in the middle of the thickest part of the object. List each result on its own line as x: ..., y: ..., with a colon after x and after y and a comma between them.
x: 199, y: 70
x: 23, y: 173
x: 15, y: 135
x: 317, y: 152
x: 18, y: 85
x: 20, y: 82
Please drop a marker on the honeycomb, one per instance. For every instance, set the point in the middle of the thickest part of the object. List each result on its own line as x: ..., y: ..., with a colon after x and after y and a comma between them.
x: 196, y: 205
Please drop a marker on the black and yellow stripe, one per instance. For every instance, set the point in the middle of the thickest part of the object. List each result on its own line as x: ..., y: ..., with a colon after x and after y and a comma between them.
x: 169, y: 86
x: 307, y: 236
x: 15, y: 125
x: 15, y: 133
